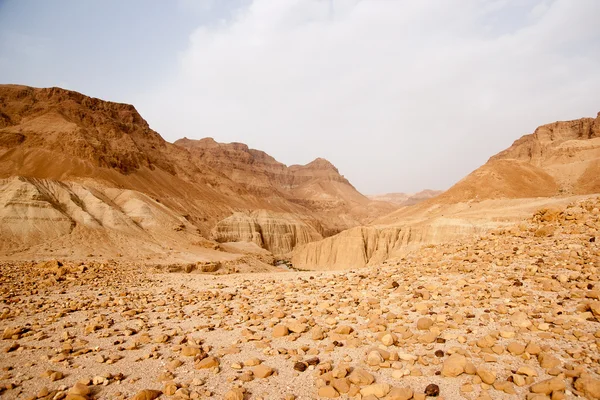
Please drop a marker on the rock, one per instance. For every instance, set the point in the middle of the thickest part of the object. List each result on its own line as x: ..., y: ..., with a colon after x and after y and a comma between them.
x: 454, y: 365
x: 432, y: 390
x: 80, y: 389
x: 533, y: 349
x: 374, y: 358
x: 170, y: 388
x: 424, y: 323
x: 317, y: 333
x: 208, y: 362
x: 506, y: 387
x: 405, y: 393
x: 328, y: 392
x: 360, y: 377
x: 235, y: 394
x: 14, y: 346
x: 589, y: 386
x: 486, y: 375
x: 378, y: 390
x: 486, y: 342
x: 548, y: 361
x: 300, y: 366
x: 515, y: 348
x: 147, y: 394
x: 262, y: 371
x: 344, y: 330
x: 548, y: 386
x: 12, y: 333
x: 252, y: 362
x: 388, y: 339
x: 190, y: 351
x: 342, y: 385
x: 280, y: 331
x: 520, y: 320
x: 297, y: 327
x: 71, y: 396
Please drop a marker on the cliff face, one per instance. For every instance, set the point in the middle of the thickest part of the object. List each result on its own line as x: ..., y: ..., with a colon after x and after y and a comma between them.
x: 539, y: 170
x: 276, y: 232
x: 363, y: 246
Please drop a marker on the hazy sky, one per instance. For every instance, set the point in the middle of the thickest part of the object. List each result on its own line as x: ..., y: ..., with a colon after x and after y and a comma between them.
x: 399, y: 95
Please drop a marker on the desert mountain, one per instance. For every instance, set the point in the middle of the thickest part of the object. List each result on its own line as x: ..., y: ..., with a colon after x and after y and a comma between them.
x: 80, y: 175
x: 558, y: 163
x: 406, y: 199
x: 561, y: 158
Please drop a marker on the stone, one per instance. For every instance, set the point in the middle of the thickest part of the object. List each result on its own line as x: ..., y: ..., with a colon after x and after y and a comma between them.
x: 548, y: 361
x: 190, y: 351
x: 208, y: 362
x: 317, y: 333
x: 424, y: 323
x: 297, y: 327
x: 515, y: 348
x: 80, y: 389
x: 344, y: 330
x: 280, y: 331
x: 589, y: 386
x: 328, y: 392
x: 404, y: 393
x: 147, y: 394
x: 548, y: 386
x: 360, y: 377
x: 486, y: 342
x: 235, y: 394
x: 374, y: 358
x: 432, y: 390
x: 388, y: 339
x: 486, y: 376
x: 378, y: 390
x: 300, y: 366
x: 342, y: 385
x: 262, y: 371
x: 454, y: 365
x: 252, y: 362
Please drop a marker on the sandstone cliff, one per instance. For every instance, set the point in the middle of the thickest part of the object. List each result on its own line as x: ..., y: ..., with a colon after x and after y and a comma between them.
x: 276, y: 232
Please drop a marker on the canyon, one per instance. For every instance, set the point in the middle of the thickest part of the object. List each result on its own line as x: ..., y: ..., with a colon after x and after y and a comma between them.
x: 134, y: 268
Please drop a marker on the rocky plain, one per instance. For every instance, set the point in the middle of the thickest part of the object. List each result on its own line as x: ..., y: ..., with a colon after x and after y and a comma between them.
x: 512, y: 313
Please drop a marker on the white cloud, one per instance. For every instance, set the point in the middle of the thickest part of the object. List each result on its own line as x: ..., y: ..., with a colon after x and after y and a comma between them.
x: 400, y: 95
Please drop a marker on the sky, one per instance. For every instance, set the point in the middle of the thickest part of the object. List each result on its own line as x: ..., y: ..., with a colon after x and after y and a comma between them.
x: 400, y: 95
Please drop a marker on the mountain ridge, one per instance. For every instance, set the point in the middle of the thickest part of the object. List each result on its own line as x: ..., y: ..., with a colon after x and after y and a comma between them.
x: 57, y: 138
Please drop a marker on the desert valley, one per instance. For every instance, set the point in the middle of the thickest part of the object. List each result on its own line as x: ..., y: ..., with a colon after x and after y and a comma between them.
x: 131, y: 267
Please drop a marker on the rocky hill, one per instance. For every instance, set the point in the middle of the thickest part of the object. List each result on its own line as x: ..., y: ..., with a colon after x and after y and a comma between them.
x: 74, y: 167
x: 546, y: 168
x: 560, y: 158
